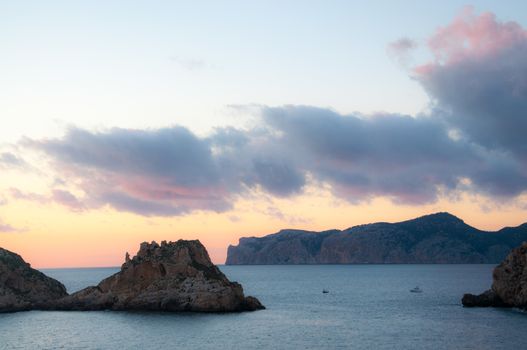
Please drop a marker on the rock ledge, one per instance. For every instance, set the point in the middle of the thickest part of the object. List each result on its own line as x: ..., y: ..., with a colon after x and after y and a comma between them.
x: 509, y: 286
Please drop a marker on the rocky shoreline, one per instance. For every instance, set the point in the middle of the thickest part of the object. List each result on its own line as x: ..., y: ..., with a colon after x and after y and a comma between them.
x: 174, y: 276
x: 179, y: 276
x: 509, y: 286
x: 23, y: 288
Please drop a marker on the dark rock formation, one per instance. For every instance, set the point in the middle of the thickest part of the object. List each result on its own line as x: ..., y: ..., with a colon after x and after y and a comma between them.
x: 24, y: 288
x: 175, y: 276
x: 433, y: 239
x: 485, y: 299
x: 509, y: 286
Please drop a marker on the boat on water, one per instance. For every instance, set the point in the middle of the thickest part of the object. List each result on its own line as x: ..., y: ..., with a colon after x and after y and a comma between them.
x: 325, y: 291
x: 416, y: 290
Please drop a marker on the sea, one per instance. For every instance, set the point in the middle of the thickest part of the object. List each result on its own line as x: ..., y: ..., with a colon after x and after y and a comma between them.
x: 366, y: 307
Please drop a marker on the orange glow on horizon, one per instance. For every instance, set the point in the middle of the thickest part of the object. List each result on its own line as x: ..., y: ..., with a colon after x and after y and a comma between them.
x: 56, y: 237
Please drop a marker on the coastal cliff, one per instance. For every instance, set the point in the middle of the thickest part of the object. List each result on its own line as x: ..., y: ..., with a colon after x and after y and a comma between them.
x: 509, y: 286
x: 439, y: 238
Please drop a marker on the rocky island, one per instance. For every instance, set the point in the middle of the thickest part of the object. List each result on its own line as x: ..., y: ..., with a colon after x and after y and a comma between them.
x: 509, y: 286
x: 439, y: 238
x: 174, y: 276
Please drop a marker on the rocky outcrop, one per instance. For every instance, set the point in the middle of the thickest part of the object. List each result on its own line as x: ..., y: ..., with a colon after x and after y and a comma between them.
x: 509, y: 286
x: 175, y: 276
x: 439, y: 238
x: 485, y: 299
x: 24, y: 288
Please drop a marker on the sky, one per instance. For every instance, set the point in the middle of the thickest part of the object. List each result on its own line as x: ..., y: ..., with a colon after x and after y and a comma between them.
x: 131, y: 121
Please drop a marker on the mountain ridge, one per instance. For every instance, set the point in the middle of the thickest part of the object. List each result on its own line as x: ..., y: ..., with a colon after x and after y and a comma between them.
x: 434, y: 238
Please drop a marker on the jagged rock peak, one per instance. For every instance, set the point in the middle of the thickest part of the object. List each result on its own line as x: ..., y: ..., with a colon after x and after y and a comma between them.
x: 173, y: 276
x: 181, y: 251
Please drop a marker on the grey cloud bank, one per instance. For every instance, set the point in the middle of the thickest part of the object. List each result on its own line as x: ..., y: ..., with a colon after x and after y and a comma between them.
x: 472, y: 140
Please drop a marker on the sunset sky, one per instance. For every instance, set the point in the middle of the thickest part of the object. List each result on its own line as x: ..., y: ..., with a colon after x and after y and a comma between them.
x: 131, y: 121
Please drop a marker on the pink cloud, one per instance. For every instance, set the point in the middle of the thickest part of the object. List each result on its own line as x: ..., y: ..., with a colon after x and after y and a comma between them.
x: 15, y: 193
x: 6, y: 228
x: 59, y: 196
x: 471, y: 37
x: 67, y: 199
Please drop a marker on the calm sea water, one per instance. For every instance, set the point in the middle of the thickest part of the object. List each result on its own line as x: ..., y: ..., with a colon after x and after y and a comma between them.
x: 367, y: 307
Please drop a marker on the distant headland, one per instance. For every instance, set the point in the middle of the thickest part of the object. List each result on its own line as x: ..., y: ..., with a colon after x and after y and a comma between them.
x: 439, y: 238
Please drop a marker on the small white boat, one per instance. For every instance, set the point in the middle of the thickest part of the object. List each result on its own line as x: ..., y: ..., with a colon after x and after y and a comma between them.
x: 416, y: 290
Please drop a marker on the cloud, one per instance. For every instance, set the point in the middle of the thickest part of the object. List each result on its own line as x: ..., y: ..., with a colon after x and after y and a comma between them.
x: 470, y: 36
x: 17, y: 194
x: 471, y: 140
x: 67, y: 199
x: 59, y: 196
x: 6, y: 228
x: 171, y: 171
x: 403, y: 45
x: 277, y: 214
x: 401, y: 49
x: 9, y: 160
x: 167, y: 171
x: 397, y: 156
x: 278, y: 176
x: 479, y: 78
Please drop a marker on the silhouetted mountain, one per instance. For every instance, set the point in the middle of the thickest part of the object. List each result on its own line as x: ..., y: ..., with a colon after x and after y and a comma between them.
x: 439, y: 238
